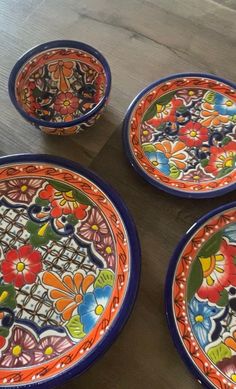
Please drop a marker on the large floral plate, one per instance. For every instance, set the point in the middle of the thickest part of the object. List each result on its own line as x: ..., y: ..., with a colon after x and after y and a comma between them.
x: 69, y: 269
x: 180, y: 135
x: 201, y: 298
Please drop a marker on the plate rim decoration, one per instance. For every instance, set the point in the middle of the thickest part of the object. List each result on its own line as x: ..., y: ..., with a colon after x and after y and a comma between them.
x: 133, y: 161
x: 168, y: 292
x: 66, y: 44
x: 129, y: 298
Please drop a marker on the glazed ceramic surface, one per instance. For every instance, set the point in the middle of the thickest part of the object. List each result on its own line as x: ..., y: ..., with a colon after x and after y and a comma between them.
x: 60, y: 88
x: 69, y: 260
x: 201, y: 298
x: 180, y: 135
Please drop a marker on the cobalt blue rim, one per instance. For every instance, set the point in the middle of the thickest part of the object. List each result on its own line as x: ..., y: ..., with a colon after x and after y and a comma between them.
x: 53, y: 45
x: 134, y: 163
x: 132, y: 288
x: 168, y: 292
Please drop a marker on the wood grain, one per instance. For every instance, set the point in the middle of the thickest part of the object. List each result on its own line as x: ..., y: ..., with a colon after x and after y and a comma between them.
x: 143, y: 40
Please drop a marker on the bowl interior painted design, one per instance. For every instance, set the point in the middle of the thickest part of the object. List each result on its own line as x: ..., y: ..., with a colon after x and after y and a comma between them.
x: 69, y: 269
x: 56, y: 84
x: 200, y: 298
x: 179, y: 134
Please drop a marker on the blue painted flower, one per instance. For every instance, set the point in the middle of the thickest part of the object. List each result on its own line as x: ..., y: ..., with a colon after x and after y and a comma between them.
x: 92, y: 307
x: 200, y: 314
x: 159, y: 161
x: 224, y: 105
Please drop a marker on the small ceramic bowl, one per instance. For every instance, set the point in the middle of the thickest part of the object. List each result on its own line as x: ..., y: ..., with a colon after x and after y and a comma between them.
x: 60, y: 86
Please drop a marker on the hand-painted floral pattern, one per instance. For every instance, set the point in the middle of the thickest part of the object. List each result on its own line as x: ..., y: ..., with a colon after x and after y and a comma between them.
x: 61, y: 85
x: 22, y: 190
x: 194, y: 129
x: 219, y: 271
x: 21, y: 266
x: 204, y: 297
x: 67, y: 293
x: 92, y: 307
x: 50, y: 347
x: 94, y: 228
x: 200, y: 314
x: 20, y: 350
x: 44, y: 280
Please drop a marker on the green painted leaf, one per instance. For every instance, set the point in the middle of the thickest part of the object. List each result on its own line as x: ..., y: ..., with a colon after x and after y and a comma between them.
x: 72, y: 219
x: 233, y: 118
x: 151, y: 112
x: 204, y: 162
x: 75, y: 327
x: 149, y: 148
x: 210, y: 97
x: 211, y: 246
x: 195, y: 279
x: 182, y: 109
x: 174, y: 171
x: 38, y: 240
x: 4, y: 331
x: 78, y: 195
x: 219, y: 352
x: 7, y: 296
x: 61, y: 187
x: 36, y: 92
x: 82, y: 198
x: 226, y: 140
x: 42, y: 202
x: 105, y: 277
x: 224, y: 298
x: 165, y: 99
x: 224, y: 172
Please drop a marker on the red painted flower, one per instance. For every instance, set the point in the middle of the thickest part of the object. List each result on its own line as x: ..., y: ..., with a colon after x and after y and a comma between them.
x: 66, y: 103
x: 63, y: 203
x: 219, y: 272
x: 21, y: 266
x: 165, y: 113
x: 222, y: 158
x: 193, y: 134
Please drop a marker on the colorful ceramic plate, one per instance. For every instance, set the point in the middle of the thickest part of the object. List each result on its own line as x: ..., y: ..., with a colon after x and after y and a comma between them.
x: 180, y: 135
x: 201, y: 298
x: 70, y: 262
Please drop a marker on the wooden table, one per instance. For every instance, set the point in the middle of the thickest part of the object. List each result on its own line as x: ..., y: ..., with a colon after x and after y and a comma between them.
x: 143, y: 40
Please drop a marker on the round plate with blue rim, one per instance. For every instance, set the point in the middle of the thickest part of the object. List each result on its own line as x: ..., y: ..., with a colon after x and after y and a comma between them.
x: 200, y: 296
x: 69, y: 269
x: 180, y: 135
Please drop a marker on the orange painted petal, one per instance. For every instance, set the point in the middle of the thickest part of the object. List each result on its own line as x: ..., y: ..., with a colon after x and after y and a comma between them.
x: 206, y: 113
x: 224, y: 119
x: 180, y: 156
x: 207, y: 122
x: 180, y: 165
x: 62, y: 84
x: 68, y: 281
x: 216, y: 121
x: 168, y: 145
x: 68, y: 312
x: 62, y: 304
x: 208, y: 106
x: 231, y: 343
x: 178, y: 146
x: 53, y: 67
x: 57, y: 294
x: 78, y: 278
x: 87, y: 281
x: 160, y: 147
x: 51, y: 279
